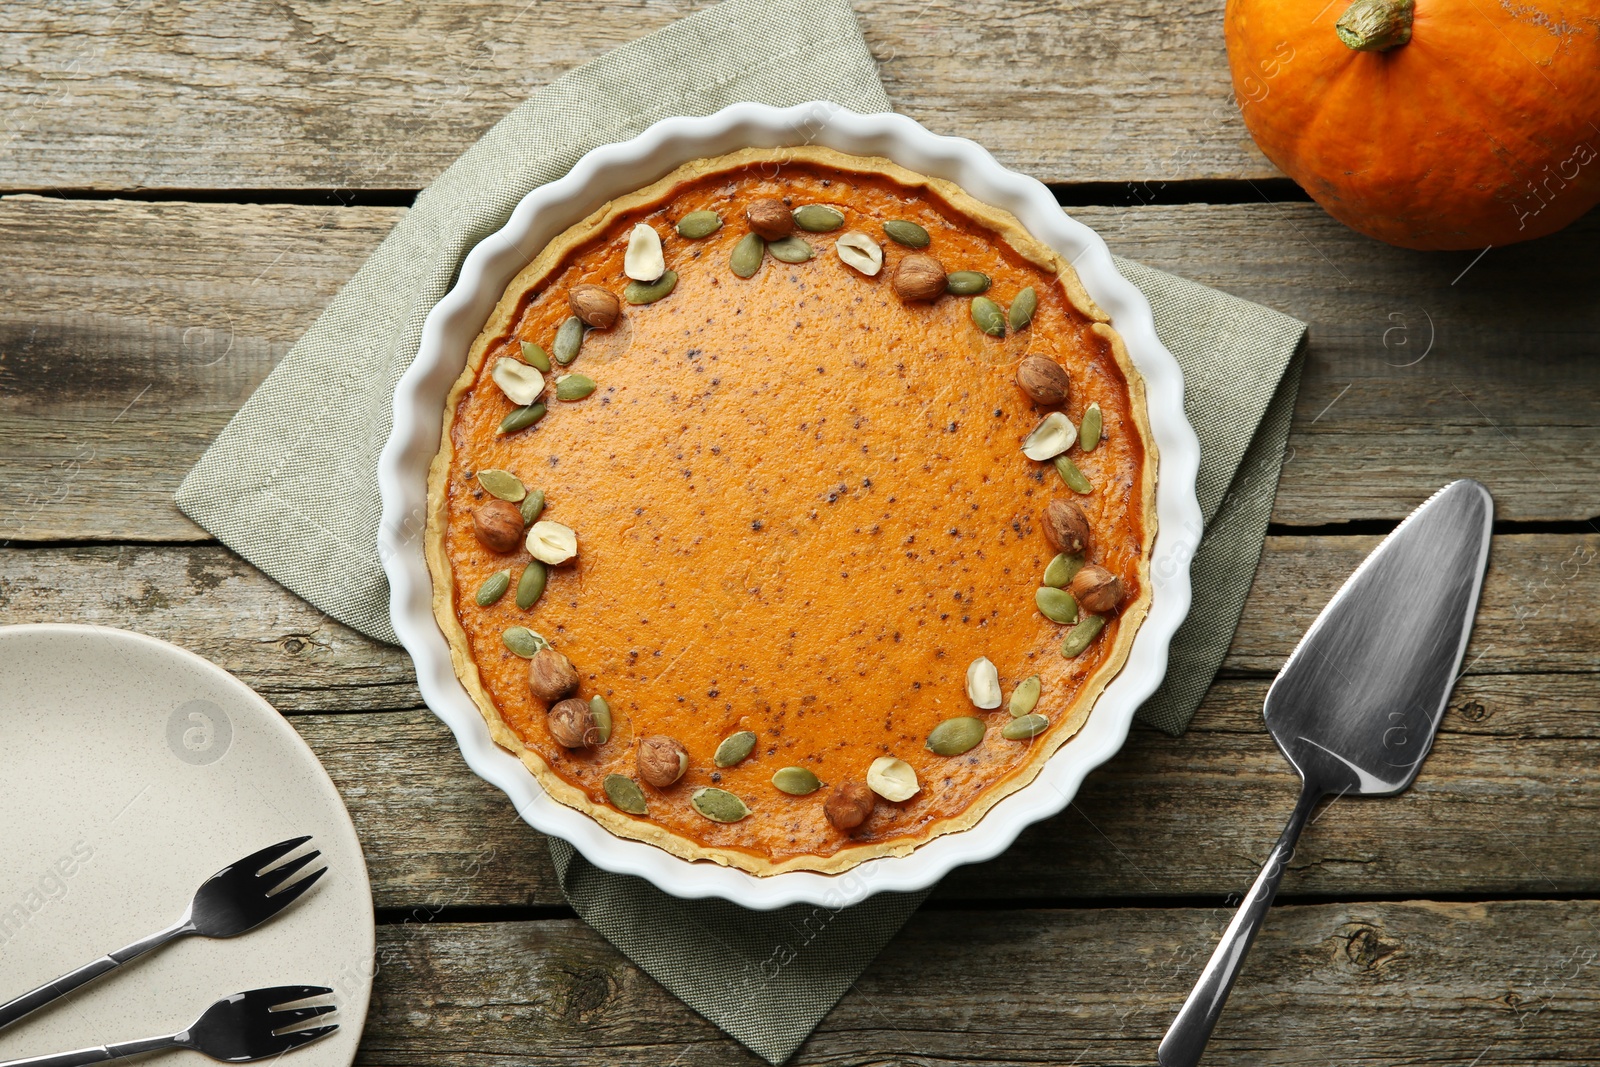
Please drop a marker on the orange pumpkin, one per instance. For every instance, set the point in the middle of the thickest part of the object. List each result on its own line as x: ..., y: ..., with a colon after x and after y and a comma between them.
x: 1433, y: 124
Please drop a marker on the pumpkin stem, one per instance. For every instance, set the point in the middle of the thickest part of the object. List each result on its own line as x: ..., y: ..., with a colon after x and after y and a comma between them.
x: 1375, y: 25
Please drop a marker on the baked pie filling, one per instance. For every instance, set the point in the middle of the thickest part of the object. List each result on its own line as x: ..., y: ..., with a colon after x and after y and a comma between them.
x: 791, y: 511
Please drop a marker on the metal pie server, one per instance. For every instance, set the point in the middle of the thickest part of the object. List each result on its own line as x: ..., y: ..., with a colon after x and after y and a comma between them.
x: 1356, y: 706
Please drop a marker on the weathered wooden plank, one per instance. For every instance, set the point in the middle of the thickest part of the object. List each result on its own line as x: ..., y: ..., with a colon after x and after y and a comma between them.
x: 435, y: 835
x: 1513, y: 707
x: 1511, y: 811
x: 1513, y: 777
x: 210, y: 601
x: 1538, y: 588
x: 1535, y: 614
x: 349, y: 95
x: 1358, y: 984
x: 130, y: 332
x: 1421, y: 367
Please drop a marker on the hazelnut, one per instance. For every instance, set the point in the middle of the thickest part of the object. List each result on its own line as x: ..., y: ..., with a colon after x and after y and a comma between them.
x: 572, y: 724
x: 1043, y: 380
x: 661, y: 760
x: 498, y: 525
x: 1066, y: 528
x: 1096, y: 589
x: 770, y: 219
x: 597, y: 307
x: 848, y: 806
x: 918, y: 278
x: 551, y: 675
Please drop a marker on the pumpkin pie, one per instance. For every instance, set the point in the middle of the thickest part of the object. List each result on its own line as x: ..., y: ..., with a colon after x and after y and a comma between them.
x: 791, y: 511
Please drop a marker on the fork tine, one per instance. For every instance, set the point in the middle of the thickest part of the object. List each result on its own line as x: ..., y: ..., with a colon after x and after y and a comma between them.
x: 282, y: 898
x: 287, y: 1018
x: 280, y: 874
x: 287, y: 994
x: 257, y: 860
x: 304, y: 1037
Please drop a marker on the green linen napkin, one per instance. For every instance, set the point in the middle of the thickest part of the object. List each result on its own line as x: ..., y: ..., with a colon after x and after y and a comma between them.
x: 290, y: 483
x: 1241, y: 373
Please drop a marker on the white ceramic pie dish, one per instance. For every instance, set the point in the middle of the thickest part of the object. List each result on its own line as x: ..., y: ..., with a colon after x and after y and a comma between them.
x: 613, y: 170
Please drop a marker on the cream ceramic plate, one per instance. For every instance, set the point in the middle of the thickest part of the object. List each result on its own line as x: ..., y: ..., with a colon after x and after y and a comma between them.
x: 130, y: 771
x: 613, y: 170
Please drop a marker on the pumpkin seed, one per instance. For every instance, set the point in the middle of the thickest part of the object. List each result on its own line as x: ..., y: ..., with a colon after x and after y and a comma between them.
x: 988, y: 316
x: 1079, y: 637
x: 602, y: 716
x: 650, y: 292
x: 523, y: 641
x: 625, y: 794
x: 532, y: 505
x: 1089, y: 432
x: 1053, y: 436
x: 746, y: 258
x: 522, y: 418
x: 734, y: 748
x: 1061, y: 569
x: 1023, y: 305
x: 568, y: 340
x: 1024, y: 697
x: 520, y: 383
x: 535, y: 356
x: 817, y: 219
x: 574, y: 386
x: 892, y: 779
x: 791, y: 249
x: 906, y: 233
x: 493, y: 588
x: 530, y: 587
x: 1024, y: 727
x: 955, y: 736
x: 698, y: 224
x: 1072, y: 475
x: 503, y: 484
x: 1057, y: 605
x: 718, y: 805
x: 967, y: 283
x: 796, y: 781
x: 983, y: 683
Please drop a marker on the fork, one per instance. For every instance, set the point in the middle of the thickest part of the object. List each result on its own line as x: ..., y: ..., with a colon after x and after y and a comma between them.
x: 240, y: 897
x: 235, y: 1029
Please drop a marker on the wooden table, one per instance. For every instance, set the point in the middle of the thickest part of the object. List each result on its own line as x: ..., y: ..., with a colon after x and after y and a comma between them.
x: 208, y: 174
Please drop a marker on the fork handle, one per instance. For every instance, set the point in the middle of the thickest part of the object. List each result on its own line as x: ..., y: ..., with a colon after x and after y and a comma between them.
x: 98, y: 1054
x: 35, y: 999
x: 1187, y: 1036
